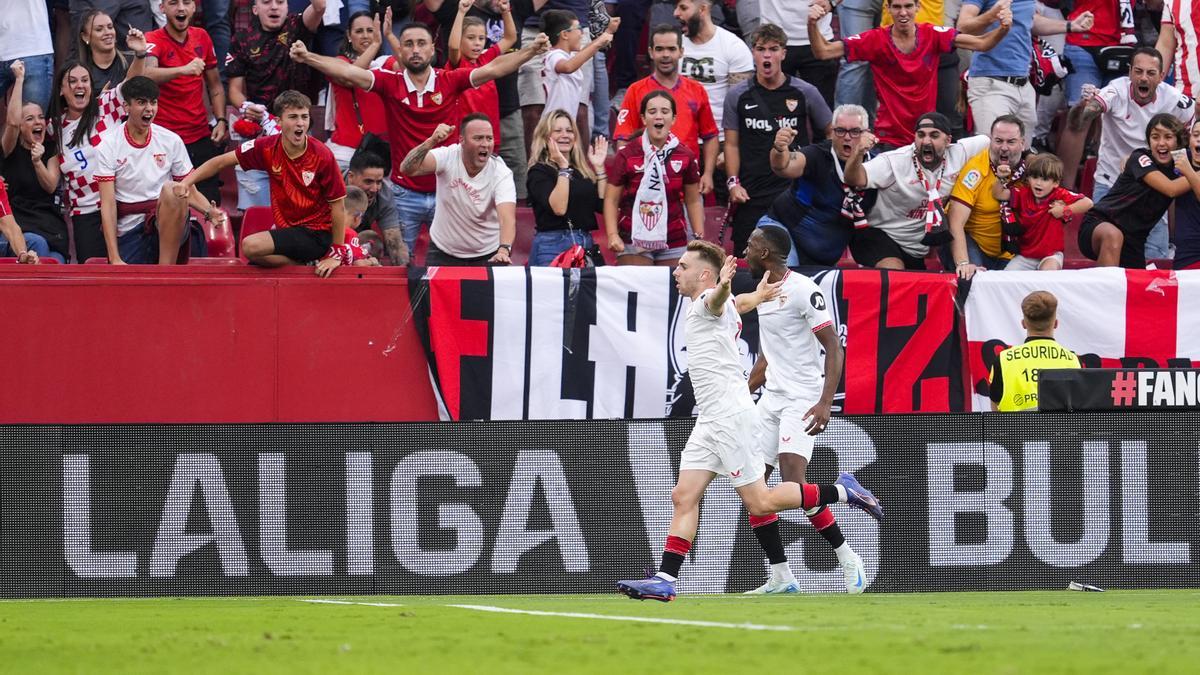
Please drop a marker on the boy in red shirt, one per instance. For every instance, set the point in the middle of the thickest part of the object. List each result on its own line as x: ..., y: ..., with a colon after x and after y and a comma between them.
x: 307, y: 192
x: 181, y: 60
x: 467, y: 49
x: 1042, y: 208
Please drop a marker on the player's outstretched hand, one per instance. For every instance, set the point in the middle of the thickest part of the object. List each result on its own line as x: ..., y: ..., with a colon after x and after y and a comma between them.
x: 817, y: 418
x: 728, y: 270
x: 767, y: 290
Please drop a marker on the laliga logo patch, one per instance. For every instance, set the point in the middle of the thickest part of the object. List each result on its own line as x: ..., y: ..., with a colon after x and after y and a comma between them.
x: 307, y: 177
x: 248, y: 145
x: 1144, y: 161
x: 677, y: 165
x: 622, y: 115
x: 972, y: 178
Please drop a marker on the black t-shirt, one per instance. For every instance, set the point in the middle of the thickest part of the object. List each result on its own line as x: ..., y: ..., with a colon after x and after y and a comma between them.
x: 112, y: 76
x: 34, y: 209
x: 812, y: 205
x: 1187, y: 230
x: 1131, y: 204
x: 758, y: 113
x: 506, y: 87
x: 583, y: 202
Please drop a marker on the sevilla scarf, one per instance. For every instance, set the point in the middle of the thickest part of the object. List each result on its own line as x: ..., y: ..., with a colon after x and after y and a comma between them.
x: 852, y: 208
x: 650, y: 203
x: 1010, y: 229
x: 937, y: 232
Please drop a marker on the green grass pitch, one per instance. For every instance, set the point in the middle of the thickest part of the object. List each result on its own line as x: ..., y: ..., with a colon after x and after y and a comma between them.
x: 1001, y: 632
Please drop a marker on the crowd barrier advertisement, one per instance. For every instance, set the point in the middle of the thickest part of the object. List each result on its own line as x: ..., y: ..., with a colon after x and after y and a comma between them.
x: 973, y: 502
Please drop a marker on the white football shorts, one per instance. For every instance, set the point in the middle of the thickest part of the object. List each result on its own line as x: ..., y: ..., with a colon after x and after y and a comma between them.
x: 725, y: 446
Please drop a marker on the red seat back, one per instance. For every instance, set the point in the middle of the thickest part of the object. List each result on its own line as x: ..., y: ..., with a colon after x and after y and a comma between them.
x: 256, y: 219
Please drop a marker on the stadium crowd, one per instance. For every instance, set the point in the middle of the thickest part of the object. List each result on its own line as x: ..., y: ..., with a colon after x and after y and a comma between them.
x: 912, y: 134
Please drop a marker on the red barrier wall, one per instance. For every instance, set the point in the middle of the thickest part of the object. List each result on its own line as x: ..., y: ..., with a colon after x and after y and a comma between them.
x: 201, y: 344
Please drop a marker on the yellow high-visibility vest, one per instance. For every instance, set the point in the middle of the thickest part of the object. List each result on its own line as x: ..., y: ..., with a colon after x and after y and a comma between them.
x: 1019, y: 368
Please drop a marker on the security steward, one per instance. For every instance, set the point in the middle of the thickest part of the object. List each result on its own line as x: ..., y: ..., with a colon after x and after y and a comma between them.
x: 1015, y: 373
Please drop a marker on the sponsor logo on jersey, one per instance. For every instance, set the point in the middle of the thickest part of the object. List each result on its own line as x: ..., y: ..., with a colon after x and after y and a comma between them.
x: 971, y: 180
x: 817, y: 300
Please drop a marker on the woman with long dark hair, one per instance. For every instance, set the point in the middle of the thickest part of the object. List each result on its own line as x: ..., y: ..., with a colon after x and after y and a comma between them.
x: 79, y: 117
x: 566, y: 190
x: 1114, y: 232
x: 355, y: 112
x: 651, y: 182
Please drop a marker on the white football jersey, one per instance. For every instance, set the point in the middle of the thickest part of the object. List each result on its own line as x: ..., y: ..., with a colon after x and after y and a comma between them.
x: 1123, y: 123
x: 139, y: 172
x: 900, y: 208
x: 714, y: 362
x: 787, y: 329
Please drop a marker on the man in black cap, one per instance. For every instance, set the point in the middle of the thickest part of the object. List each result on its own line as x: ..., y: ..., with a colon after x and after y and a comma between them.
x: 913, y: 183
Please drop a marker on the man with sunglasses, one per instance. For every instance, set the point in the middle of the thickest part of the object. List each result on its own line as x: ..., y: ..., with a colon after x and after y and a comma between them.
x: 904, y: 59
x: 756, y: 110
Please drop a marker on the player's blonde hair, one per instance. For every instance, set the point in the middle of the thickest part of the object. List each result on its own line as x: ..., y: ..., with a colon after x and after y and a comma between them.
x: 709, y: 253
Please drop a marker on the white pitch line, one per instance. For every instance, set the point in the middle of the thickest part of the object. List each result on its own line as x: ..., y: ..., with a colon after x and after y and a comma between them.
x: 638, y: 619
x: 347, y: 602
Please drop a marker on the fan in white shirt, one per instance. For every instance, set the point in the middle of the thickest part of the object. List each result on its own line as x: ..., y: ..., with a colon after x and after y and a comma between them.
x: 712, y: 56
x: 137, y: 165
x: 902, y: 209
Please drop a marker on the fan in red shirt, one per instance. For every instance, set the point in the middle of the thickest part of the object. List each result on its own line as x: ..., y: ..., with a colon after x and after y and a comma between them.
x: 12, y: 240
x: 1042, y: 208
x: 182, y: 61
x: 356, y: 113
x: 307, y: 192
x: 694, y: 120
x: 661, y: 235
x: 904, y: 62
x: 416, y: 100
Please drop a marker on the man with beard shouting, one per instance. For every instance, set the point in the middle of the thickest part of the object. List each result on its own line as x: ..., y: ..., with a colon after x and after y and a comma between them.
x: 913, y: 181
x: 976, y: 217
x: 417, y: 100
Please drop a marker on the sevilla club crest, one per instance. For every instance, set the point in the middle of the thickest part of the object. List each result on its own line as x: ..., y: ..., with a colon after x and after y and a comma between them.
x: 160, y: 159
x: 437, y: 98
x: 651, y: 212
x: 677, y: 165
x: 307, y: 177
x: 791, y: 104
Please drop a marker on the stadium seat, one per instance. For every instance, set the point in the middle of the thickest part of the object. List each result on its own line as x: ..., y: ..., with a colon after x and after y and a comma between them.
x: 223, y: 261
x: 523, y: 242
x: 220, y: 239
x: 255, y: 219
x: 96, y: 261
x: 1087, y: 177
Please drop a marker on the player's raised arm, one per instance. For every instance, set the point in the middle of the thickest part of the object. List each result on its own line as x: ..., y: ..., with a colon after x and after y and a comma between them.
x: 716, y: 300
x: 765, y: 291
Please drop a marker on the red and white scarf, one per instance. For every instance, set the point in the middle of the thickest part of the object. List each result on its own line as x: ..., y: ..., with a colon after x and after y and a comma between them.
x: 650, y: 204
